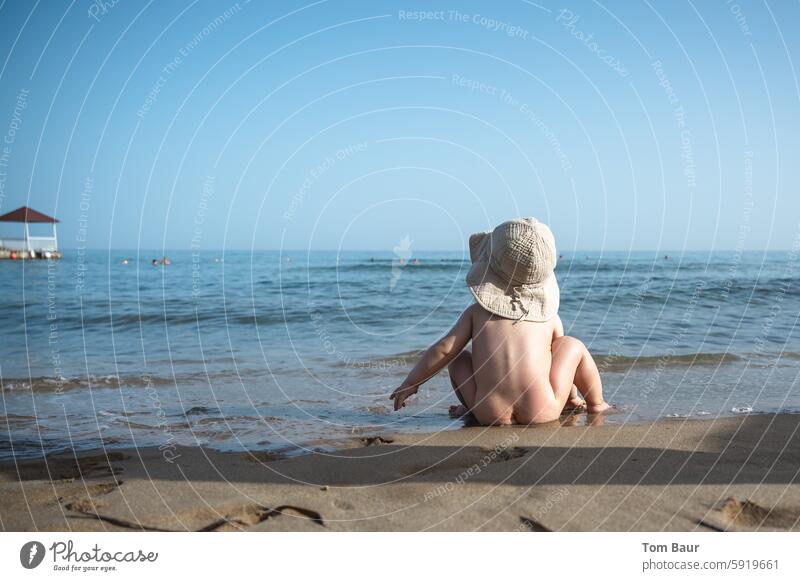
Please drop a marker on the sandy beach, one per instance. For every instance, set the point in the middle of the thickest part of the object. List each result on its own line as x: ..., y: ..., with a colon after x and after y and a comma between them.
x: 738, y: 473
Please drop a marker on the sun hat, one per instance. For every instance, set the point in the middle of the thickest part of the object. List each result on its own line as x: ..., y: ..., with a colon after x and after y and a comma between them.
x: 512, y: 273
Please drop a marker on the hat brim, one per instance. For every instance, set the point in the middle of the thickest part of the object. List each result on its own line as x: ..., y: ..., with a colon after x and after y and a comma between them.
x: 495, y: 294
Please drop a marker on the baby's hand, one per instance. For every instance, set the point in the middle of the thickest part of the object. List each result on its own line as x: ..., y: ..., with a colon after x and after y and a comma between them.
x: 401, y: 394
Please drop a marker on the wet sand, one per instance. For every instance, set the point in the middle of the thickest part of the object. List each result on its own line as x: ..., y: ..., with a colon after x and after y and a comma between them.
x: 740, y: 473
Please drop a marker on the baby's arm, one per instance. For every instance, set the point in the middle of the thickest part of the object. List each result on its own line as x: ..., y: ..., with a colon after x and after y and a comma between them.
x: 436, y: 358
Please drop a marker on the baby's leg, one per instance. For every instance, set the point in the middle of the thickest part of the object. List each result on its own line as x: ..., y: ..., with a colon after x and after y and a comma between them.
x: 573, y: 365
x: 462, y: 377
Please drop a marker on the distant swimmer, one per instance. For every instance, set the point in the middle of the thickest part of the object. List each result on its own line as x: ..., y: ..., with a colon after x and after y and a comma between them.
x: 415, y: 261
x: 666, y: 257
x: 166, y: 261
x: 154, y: 262
x: 124, y: 261
x: 402, y: 261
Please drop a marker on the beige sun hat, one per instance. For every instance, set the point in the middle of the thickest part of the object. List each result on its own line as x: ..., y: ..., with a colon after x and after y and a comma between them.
x: 512, y: 272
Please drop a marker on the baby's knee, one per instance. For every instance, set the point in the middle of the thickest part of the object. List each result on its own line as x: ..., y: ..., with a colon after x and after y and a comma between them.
x: 568, y: 344
x: 462, y: 359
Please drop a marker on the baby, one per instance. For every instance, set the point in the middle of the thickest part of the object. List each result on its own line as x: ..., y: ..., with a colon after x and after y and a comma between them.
x: 522, y: 369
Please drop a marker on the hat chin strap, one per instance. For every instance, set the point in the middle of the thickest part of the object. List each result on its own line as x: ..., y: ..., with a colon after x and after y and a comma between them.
x: 516, y: 299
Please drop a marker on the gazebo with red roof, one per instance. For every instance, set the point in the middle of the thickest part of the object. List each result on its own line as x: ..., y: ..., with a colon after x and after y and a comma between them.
x: 43, y: 245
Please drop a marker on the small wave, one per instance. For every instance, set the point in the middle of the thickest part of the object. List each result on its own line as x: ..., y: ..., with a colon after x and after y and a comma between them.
x: 60, y: 384
x: 605, y: 361
x: 382, y: 265
x: 381, y: 410
x: 200, y: 410
x: 609, y: 362
x: 182, y: 317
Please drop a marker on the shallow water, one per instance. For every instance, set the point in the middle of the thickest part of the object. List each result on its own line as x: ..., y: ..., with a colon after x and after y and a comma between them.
x: 290, y: 352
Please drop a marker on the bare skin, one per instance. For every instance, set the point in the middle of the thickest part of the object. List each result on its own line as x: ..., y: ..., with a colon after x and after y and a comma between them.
x: 518, y: 372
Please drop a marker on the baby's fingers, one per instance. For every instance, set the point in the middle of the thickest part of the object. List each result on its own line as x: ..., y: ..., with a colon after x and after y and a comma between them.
x: 399, y: 401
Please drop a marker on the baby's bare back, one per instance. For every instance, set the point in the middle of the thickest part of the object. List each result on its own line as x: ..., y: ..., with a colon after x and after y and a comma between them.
x: 512, y: 362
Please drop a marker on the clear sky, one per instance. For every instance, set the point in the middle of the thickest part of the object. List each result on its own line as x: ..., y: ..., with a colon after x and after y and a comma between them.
x: 333, y: 124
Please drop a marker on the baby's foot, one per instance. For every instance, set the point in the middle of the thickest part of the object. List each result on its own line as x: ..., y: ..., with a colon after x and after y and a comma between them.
x: 458, y: 411
x: 599, y: 408
x: 574, y: 404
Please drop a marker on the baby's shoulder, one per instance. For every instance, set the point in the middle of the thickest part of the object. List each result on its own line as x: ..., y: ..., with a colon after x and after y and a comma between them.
x: 477, y: 313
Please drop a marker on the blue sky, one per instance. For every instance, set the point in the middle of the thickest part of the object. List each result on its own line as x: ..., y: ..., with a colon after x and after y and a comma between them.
x: 324, y: 125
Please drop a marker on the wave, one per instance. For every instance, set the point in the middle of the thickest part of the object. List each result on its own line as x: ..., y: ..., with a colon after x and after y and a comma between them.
x: 381, y: 266
x: 177, y: 318
x: 379, y: 363
x: 398, y: 362
x: 142, y: 380
x: 612, y: 362
x: 58, y: 383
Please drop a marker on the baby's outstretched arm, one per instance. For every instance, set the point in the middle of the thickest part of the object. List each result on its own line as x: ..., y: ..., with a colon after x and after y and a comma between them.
x: 436, y: 358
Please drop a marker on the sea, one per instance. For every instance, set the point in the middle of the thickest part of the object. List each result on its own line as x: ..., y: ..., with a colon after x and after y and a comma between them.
x: 295, y: 352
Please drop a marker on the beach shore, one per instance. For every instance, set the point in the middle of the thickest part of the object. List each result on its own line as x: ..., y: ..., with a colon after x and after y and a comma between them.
x: 737, y: 473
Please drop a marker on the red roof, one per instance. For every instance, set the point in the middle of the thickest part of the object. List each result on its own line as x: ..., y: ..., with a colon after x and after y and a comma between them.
x: 26, y: 214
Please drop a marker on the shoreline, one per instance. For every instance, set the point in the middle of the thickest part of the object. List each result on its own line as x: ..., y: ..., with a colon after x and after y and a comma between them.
x: 731, y: 473
x: 334, y: 443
